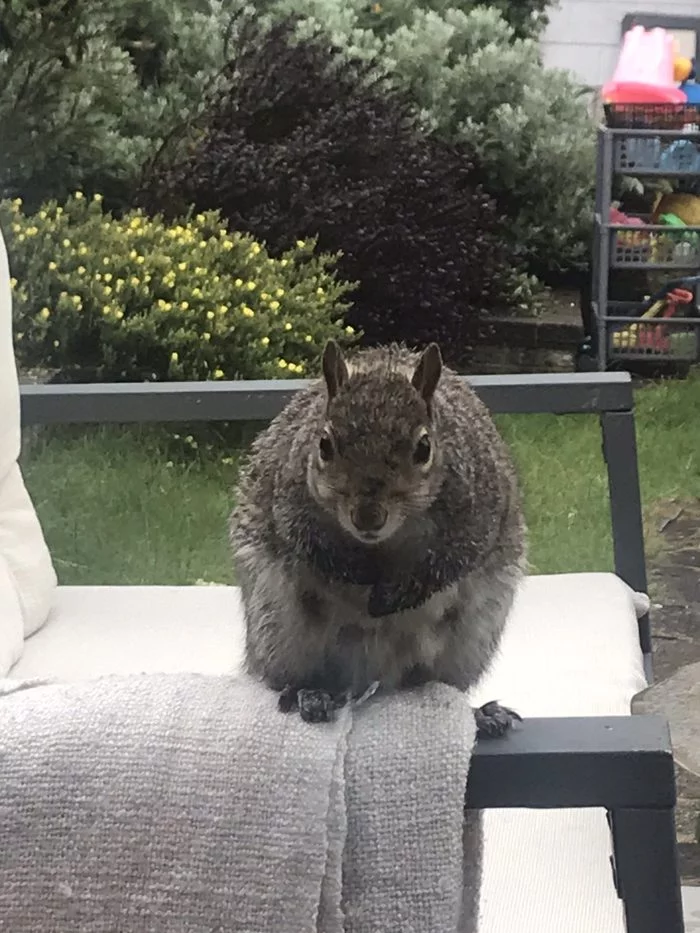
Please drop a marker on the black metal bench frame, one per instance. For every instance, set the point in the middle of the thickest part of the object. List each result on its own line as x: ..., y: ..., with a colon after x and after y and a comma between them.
x: 623, y: 764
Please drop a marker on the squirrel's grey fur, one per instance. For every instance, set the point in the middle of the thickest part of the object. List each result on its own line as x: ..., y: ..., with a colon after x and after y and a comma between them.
x: 330, y: 610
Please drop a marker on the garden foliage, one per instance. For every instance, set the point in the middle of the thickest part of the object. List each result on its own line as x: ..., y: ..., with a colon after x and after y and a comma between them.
x: 301, y: 140
x: 476, y: 83
x: 136, y: 298
x: 89, y: 87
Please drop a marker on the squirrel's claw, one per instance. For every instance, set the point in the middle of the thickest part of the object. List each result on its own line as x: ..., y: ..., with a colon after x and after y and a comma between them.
x: 313, y: 705
x: 494, y: 720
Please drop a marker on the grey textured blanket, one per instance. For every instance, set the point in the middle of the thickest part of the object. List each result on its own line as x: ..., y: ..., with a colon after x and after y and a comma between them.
x: 188, y: 804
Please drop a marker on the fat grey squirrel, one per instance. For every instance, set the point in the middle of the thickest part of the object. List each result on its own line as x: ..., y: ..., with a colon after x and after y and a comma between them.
x: 378, y: 535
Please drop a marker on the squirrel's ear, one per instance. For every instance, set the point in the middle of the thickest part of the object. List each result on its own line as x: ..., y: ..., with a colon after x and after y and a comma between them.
x: 335, y: 372
x: 427, y: 374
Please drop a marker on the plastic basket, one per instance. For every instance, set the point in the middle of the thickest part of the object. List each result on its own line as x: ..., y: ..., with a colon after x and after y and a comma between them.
x: 657, y: 155
x: 675, y: 339
x: 651, y: 116
x: 661, y: 247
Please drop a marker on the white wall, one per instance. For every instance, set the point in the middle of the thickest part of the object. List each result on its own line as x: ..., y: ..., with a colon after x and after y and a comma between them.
x: 584, y: 35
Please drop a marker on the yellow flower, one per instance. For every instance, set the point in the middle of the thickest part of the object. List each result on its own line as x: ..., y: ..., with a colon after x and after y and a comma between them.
x: 218, y: 374
x: 78, y: 195
x: 17, y: 203
x: 80, y: 270
x: 97, y: 197
x: 196, y: 292
x: 133, y: 254
x: 21, y: 238
x: 164, y: 305
x: 210, y: 315
x: 238, y: 283
x: 199, y: 270
x: 147, y: 278
x: 107, y: 310
x: 16, y: 228
x: 265, y: 341
x: 135, y: 223
x: 301, y: 244
x: 77, y: 301
x: 53, y: 266
x: 227, y: 245
x: 206, y: 337
x: 59, y: 211
x: 119, y: 314
x: 108, y: 277
x: 274, y: 305
x: 200, y: 218
x: 182, y: 266
x: 255, y: 249
x: 174, y: 357
x: 184, y: 305
x: 45, y: 314
x: 134, y: 281
x: 349, y: 330
x: 287, y: 326
x: 222, y: 309
x: 247, y: 312
x: 13, y: 283
x: 32, y: 231
x: 108, y: 290
x: 284, y: 262
x: 105, y: 261
x: 308, y: 338
x: 57, y: 343
x: 140, y: 260
x: 264, y: 296
x: 319, y: 291
x: 119, y: 284
x: 282, y: 364
x: 43, y: 215
x: 98, y: 276
x: 280, y: 292
x: 82, y: 250
x: 105, y: 226
x: 202, y: 244
x: 251, y: 286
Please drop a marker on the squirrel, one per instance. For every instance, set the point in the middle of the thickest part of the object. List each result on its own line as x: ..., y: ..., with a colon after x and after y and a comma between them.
x: 378, y: 535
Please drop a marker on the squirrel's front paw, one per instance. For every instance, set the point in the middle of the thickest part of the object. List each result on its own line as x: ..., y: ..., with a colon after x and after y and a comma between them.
x: 313, y: 705
x: 494, y: 720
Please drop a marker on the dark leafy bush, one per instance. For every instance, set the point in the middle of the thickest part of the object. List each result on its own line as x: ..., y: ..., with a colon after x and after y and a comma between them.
x: 302, y: 141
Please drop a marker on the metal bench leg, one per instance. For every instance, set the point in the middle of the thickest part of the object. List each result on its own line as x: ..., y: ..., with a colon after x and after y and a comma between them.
x: 646, y: 869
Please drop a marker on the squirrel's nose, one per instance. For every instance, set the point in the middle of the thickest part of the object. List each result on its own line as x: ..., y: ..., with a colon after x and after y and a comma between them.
x: 368, y: 516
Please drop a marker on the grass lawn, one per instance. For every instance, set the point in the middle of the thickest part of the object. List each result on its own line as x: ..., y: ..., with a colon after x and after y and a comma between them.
x: 123, y: 505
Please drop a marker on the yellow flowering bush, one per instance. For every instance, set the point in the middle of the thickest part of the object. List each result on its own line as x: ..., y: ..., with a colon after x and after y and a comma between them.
x: 135, y: 298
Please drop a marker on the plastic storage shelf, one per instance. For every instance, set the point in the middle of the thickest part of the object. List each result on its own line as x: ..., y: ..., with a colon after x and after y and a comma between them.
x: 631, y: 337
x: 653, y: 140
x: 654, y: 155
x: 654, y: 247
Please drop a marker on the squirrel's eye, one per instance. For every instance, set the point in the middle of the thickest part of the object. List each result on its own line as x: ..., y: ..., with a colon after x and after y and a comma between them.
x: 423, y: 451
x: 325, y: 448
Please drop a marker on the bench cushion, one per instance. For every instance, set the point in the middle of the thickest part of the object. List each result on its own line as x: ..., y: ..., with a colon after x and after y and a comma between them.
x: 570, y: 649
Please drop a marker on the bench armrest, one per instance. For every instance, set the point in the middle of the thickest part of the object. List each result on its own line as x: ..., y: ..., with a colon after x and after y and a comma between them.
x: 601, y: 761
x: 623, y: 764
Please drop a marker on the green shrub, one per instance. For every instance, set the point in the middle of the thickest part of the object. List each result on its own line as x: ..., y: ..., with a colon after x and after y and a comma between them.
x: 135, y: 298
x: 89, y: 87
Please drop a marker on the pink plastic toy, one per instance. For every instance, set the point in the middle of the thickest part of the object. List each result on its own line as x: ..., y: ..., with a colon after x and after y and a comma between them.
x: 644, y: 73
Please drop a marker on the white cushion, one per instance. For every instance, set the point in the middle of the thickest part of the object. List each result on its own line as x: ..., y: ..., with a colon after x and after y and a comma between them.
x: 571, y: 648
x: 27, y: 578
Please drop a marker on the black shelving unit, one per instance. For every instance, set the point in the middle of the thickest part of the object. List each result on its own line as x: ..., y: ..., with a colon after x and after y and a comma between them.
x: 644, y: 142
